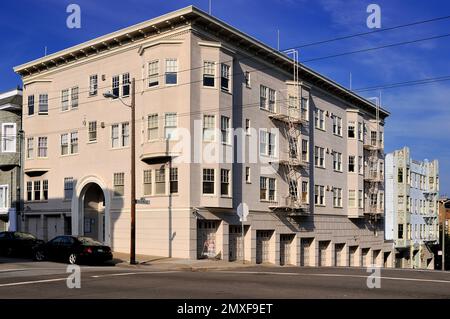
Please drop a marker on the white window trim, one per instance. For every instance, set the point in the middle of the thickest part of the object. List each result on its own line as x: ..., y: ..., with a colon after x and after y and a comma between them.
x: 214, y: 128
x: 158, y: 74
x: 214, y: 75
x: 215, y: 182
x: 6, y: 187
x: 175, y: 137
x: 120, y: 136
x: 14, y: 138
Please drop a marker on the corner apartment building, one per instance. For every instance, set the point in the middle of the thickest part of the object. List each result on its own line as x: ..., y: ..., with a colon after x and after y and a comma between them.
x: 412, y: 192
x: 10, y: 158
x: 444, y: 213
x: 296, y: 147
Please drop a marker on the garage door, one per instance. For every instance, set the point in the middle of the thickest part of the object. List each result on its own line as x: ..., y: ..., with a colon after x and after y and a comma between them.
x: 206, y: 238
x: 352, y: 256
x: 235, y: 244
x: 262, y: 245
x: 339, y: 254
x: 55, y: 227
x: 323, y: 253
x: 305, y: 251
x: 285, y: 249
x: 33, y: 226
x: 364, y: 255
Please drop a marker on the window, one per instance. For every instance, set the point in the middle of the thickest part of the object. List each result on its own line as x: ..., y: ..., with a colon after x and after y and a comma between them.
x: 30, y: 147
x: 381, y: 139
x: 115, y: 135
x: 148, y: 182
x: 208, y: 128
x: 319, y: 195
x: 351, y: 130
x: 225, y: 182
x: 319, y: 119
x: 400, y: 231
x: 360, y: 131
x: 247, y: 127
x: 381, y: 200
x: 352, y: 198
x: 43, y: 104
x: 373, y: 138
x: 351, y: 164
x: 160, y: 181
x: 337, y: 125
x: 64, y: 144
x: 248, y: 79
x: 208, y: 181
x: 209, y: 73
x: 319, y: 156
x: 400, y: 175
x: 126, y: 84
x: 9, y: 137
x: 93, y: 85
x: 360, y: 199
x: 45, y: 189
x: 42, y: 147
x: 74, y: 97
x: 119, y: 184
x: 305, y: 192
x: 64, y: 100
x: 74, y: 142
x: 304, y: 109
x: 360, y: 165
x: 152, y: 126
x: 337, y: 197
x: 30, y: 104
x: 116, y: 86
x: 247, y: 175
x: 225, y: 77
x: 293, y: 147
x: 68, y: 188
x: 29, y: 191
x: 272, y: 189
x: 292, y: 106
x: 267, y: 142
x: 263, y: 188
x: 293, y: 189
x: 3, y: 196
x: 225, y: 129
x: 305, y: 155
x: 120, y: 135
x: 153, y: 73
x: 170, y: 126
x: 92, y: 132
x: 263, y: 97
x: 173, y: 180
x: 171, y: 71
x: 37, y: 190
x: 272, y: 99
x: 337, y: 161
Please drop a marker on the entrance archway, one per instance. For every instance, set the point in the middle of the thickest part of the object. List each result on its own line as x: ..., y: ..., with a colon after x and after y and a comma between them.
x: 91, y: 210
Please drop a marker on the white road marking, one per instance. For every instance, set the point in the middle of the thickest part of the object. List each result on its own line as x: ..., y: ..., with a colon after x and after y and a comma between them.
x: 135, y: 273
x: 337, y: 275
x: 31, y: 282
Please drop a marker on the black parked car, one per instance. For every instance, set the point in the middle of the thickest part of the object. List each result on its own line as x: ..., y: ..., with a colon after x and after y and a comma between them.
x: 13, y: 243
x: 74, y: 250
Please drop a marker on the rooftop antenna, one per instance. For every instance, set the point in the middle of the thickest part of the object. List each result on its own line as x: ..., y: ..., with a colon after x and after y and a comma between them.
x: 350, y: 81
x: 209, y: 7
x: 45, y: 51
x: 278, y: 39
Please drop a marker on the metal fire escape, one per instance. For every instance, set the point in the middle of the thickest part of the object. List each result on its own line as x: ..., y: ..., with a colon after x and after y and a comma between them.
x: 373, y: 177
x: 290, y: 161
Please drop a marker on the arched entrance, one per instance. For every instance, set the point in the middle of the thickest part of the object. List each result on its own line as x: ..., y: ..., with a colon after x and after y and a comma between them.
x: 91, y: 210
x: 93, y: 207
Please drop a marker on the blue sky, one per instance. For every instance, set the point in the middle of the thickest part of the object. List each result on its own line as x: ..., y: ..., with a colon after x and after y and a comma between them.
x: 420, y: 114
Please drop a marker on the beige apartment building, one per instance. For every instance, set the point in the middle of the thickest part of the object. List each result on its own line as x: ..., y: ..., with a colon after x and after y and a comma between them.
x: 222, y: 119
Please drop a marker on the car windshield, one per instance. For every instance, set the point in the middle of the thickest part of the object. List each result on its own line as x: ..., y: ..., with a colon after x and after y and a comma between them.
x: 86, y: 241
x: 23, y: 236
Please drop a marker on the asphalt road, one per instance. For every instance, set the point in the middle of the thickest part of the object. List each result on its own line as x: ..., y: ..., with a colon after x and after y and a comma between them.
x: 27, y: 279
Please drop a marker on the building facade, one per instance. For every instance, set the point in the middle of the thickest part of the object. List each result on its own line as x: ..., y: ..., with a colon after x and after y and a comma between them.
x: 10, y: 158
x: 412, y: 189
x: 222, y: 119
x: 444, y: 213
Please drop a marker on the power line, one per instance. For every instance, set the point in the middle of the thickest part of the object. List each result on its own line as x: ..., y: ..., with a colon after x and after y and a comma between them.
x: 405, y: 83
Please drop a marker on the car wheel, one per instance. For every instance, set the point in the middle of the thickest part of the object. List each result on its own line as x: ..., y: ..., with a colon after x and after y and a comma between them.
x: 39, y: 255
x: 73, y: 259
x: 9, y: 252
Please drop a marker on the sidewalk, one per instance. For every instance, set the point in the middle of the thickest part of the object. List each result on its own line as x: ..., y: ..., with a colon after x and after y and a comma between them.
x: 166, y: 263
